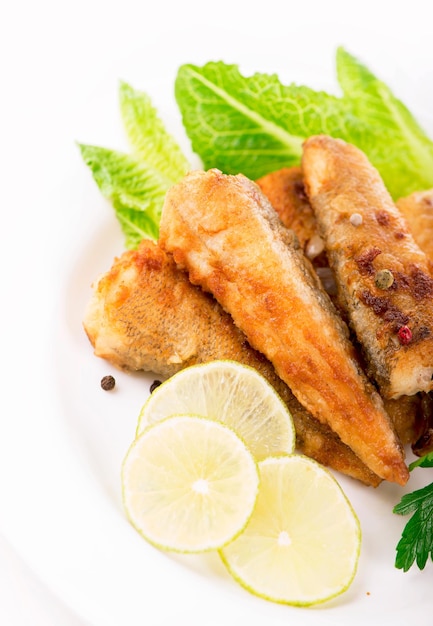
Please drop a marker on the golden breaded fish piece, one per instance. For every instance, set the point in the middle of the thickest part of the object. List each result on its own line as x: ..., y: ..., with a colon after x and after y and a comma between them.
x: 144, y: 314
x: 382, y: 275
x: 224, y: 231
x: 417, y: 209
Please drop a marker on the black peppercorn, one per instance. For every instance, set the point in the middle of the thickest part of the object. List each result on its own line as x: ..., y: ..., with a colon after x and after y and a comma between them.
x: 107, y: 383
x: 154, y: 385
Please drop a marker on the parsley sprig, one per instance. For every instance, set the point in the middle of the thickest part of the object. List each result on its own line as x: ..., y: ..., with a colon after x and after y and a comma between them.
x: 416, y: 543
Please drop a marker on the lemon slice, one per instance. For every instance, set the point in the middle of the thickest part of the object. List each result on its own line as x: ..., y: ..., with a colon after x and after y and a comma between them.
x: 189, y: 484
x: 232, y: 393
x: 302, y: 543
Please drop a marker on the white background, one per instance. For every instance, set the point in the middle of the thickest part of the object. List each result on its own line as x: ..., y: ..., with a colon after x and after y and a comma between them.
x: 60, y: 63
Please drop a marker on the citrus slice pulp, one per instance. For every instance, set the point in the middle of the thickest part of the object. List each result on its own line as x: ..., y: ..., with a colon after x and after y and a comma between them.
x: 189, y: 484
x: 301, y: 545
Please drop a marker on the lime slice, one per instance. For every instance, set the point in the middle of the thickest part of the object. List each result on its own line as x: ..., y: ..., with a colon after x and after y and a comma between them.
x: 302, y: 543
x: 189, y: 484
x: 232, y: 393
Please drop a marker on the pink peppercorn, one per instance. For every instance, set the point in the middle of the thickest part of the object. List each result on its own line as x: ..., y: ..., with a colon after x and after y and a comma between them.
x: 404, y: 335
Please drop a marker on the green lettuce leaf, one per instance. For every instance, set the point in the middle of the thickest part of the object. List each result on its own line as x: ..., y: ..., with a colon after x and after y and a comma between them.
x: 136, y: 183
x: 256, y: 124
x: 148, y: 136
x: 395, y: 143
x: 252, y: 125
x: 135, y: 192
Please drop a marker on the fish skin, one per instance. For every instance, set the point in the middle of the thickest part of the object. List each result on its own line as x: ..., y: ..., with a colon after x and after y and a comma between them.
x: 340, y: 181
x: 144, y: 314
x: 225, y: 233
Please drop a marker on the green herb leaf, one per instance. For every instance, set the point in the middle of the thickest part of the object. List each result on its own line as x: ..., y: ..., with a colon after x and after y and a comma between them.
x: 424, y: 461
x: 136, y: 193
x: 254, y: 124
x: 395, y: 143
x: 416, y: 543
x: 148, y: 136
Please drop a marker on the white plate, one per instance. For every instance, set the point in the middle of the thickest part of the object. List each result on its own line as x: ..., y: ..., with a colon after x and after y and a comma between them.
x: 63, y: 438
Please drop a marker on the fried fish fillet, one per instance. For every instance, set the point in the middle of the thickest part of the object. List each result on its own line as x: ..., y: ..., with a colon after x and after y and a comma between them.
x: 412, y: 416
x: 417, y: 209
x: 225, y: 233
x: 382, y: 275
x: 144, y: 314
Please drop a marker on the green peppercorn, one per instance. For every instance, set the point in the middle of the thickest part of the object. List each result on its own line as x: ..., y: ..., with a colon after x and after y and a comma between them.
x: 384, y: 279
